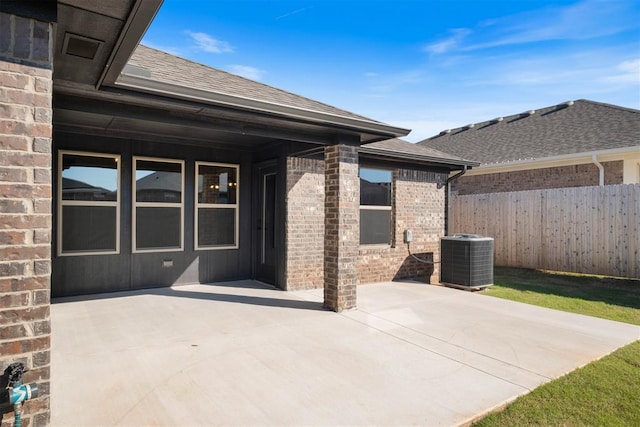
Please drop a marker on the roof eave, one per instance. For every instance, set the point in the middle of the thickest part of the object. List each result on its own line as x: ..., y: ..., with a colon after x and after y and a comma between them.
x: 142, y: 14
x: 416, y: 158
x: 141, y: 84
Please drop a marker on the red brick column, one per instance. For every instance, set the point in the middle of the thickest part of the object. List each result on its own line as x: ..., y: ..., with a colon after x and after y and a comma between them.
x: 25, y: 206
x: 342, y: 227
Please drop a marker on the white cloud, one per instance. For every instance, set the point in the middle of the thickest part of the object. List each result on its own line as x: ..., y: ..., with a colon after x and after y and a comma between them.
x: 626, y: 72
x: 587, y: 19
x: 450, y: 43
x: 295, y: 12
x: 209, y: 44
x: 246, y: 71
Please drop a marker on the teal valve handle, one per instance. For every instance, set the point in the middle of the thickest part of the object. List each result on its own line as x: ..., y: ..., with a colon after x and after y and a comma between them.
x: 17, y: 395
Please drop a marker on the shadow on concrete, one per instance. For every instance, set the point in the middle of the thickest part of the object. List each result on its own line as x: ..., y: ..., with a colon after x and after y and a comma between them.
x: 186, y: 291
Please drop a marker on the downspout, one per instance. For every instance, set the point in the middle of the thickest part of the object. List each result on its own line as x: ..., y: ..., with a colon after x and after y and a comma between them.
x: 594, y: 158
x: 447, y: 197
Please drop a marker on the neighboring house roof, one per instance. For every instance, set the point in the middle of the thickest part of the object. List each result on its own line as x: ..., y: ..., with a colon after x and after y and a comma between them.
x: 400, y: 149
x: 164, y: 181
x: 573, y: 127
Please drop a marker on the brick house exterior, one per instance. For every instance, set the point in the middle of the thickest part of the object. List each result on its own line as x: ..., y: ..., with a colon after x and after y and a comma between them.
x: 143, y: 167
x: 418, y: 205
x: 25, y: 207
x: 573, y: 144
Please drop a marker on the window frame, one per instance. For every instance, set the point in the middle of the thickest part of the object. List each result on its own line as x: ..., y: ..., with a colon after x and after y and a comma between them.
x: 109, y: 203
x: 135, y: 205
x: 198, y: 205
x: 378, y: 208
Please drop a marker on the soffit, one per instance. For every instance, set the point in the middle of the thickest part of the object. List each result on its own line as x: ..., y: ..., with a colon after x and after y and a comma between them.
x: 93, y: 36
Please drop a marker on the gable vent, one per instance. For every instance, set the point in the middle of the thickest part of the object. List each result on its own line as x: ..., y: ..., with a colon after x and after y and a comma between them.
x: 80, y: 46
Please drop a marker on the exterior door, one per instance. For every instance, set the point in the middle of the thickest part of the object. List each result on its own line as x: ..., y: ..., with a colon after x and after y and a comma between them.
x: 267, y: 230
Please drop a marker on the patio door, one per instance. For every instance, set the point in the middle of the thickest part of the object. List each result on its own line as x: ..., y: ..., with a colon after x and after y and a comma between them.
x: 267, y: 230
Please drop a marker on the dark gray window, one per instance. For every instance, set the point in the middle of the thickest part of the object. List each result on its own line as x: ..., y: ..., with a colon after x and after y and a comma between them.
x: 88, y: 203
x: 375, y: 206
x: 216, y: 219
x: 158, y: 204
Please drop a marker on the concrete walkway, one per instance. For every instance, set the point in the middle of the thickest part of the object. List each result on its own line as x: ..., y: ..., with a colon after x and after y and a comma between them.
x: 244, y: 354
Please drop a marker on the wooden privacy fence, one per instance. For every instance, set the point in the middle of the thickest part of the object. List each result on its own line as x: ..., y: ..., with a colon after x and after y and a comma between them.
x: 584, y: 229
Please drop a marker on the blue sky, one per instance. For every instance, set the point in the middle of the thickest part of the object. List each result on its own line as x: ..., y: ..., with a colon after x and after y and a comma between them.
x: 425, y: 65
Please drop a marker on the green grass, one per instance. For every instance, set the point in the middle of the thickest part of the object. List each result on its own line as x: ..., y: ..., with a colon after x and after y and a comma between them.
x: 606, y: 297
x: 603, y: 393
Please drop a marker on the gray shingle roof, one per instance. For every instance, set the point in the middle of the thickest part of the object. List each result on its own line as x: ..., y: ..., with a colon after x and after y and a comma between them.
x: 402, y: 149
x: 581, y: 126
x: 166, y: 68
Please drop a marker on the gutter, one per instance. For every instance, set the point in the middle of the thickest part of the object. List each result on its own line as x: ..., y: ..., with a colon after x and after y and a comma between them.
x: 545, y: 162
x: 594, y: 158
x: 141, y: 84
x: 378, y: 152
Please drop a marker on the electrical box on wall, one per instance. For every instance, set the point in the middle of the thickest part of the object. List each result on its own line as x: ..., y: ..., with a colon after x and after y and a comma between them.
x: 408, y: 236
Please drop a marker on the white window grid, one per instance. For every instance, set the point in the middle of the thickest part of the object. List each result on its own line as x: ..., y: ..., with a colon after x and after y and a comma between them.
x: 137, y: 204
x: 199, y: 205
x: 89, y: 203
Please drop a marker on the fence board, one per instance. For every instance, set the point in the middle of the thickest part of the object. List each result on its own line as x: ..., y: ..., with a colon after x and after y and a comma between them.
x: 584, y: 229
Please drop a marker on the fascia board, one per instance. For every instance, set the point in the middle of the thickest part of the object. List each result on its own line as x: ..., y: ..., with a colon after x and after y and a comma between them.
x: 142, y: 14
x: 415, y: 157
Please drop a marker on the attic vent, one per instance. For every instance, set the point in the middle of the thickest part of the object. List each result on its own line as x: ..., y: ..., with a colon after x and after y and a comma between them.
x: 470, y: 126
x: 528, y: 113
x: 498, y: 120
x: 446, y: 131
x: 80, y: 46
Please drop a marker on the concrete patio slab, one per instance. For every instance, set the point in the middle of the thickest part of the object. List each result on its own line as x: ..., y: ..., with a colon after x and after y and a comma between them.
x: 243, y: 353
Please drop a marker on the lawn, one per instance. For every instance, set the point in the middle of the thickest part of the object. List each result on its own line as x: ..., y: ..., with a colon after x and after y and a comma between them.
x: 603, y: 393
x: 606, y: 297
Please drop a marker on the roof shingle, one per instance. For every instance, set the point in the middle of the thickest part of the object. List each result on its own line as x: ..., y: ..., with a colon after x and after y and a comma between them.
x: 575, y: 127
x: 166, y: 68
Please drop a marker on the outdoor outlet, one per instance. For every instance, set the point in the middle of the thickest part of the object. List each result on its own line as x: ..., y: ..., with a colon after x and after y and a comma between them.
x: 408, y: 236
x: 167, y: 263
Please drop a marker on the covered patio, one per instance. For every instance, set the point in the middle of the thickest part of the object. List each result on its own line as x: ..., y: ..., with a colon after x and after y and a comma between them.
x: 244, y: 353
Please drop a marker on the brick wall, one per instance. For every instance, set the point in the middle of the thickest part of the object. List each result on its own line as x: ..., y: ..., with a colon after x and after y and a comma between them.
x: 304, y: 224
x: 418, y: 205
x: 537, y: 179
x: 25, y: 206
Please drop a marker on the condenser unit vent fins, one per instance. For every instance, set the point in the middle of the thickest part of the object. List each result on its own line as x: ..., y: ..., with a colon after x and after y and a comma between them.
x: 467, y: 261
